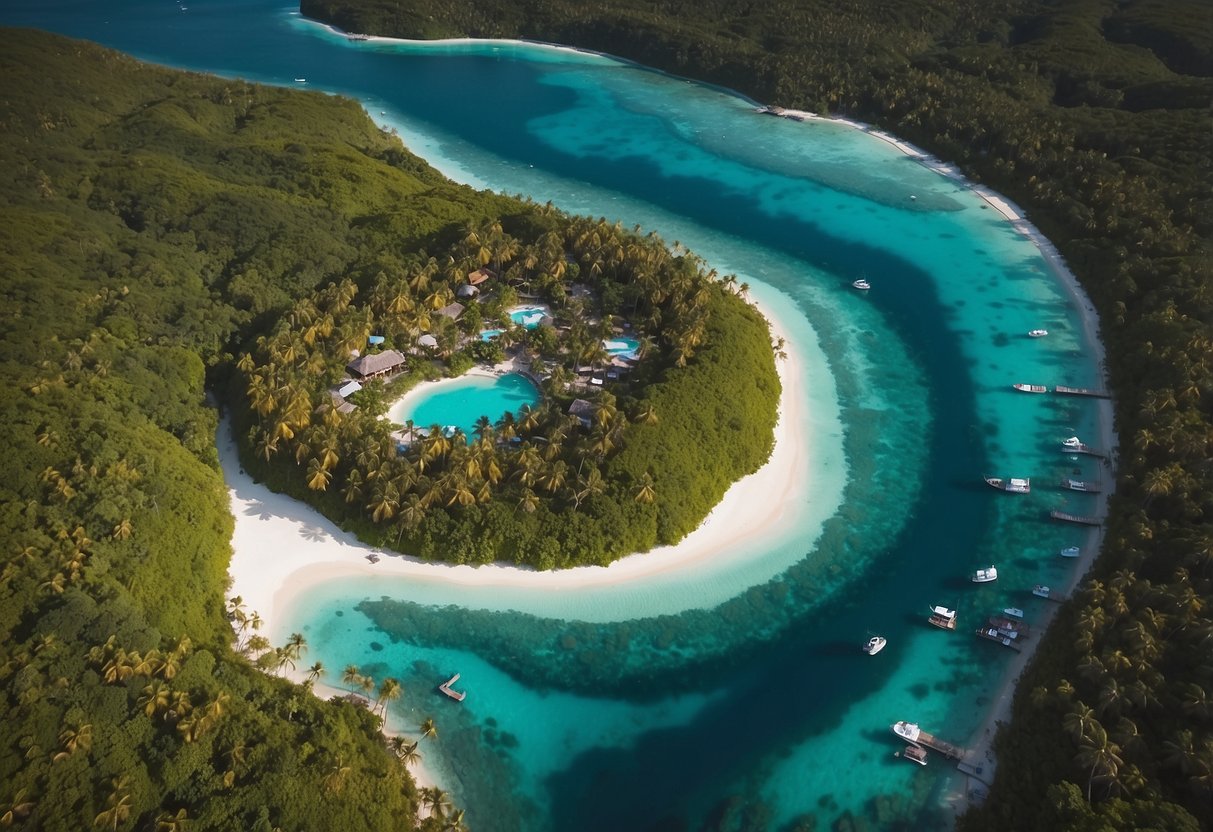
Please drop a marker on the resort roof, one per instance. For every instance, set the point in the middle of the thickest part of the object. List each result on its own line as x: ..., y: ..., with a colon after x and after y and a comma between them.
x: 467, y: 290
x: 581, y: 408
x: 380, y: 362
x: 427, y: 340
x: 348, y: 389
x: 452, y: 311
x: 480, y: 275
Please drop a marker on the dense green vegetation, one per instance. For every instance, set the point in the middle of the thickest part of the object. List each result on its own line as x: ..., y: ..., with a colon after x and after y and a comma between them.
x: 155, y: 226
x: 652, y: 453
x: 1094, y: 116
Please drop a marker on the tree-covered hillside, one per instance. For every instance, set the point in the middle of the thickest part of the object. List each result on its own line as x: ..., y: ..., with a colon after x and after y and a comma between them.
x: 1093, y: 115
x: 155, y: 226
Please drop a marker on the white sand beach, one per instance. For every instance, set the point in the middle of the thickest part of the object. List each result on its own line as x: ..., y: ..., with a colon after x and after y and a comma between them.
x: 282, y: 547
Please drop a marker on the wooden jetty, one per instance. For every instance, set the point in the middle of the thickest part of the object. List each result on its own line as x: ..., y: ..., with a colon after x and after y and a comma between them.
x: 1075, y: 518
x: 910, y: 732
x: 1081, y: 391
x: 1083, y: 486
x: 446, y: 688
x: 1083, y: 449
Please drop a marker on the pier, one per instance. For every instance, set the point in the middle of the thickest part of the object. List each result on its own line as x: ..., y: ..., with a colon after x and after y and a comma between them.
x: 910, y: 732
x: 446, y: 688
x: 1086, y: 450
x: 1081, y: 391
x: 1075, y: 518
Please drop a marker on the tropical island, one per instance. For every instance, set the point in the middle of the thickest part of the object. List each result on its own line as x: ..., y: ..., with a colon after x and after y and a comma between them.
x: 1095, y: 119
x: 652, y: 384
x: 113, y: 435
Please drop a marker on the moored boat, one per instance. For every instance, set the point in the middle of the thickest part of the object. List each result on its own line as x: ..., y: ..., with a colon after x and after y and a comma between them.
x: 990, y: 634
x: 875, y: 645
x: 861, y: 284
x: 943, y: 618
x: 984, y: 576
x: 1008, y: 625
x: 1013, y: 612
x: 1038, y: 333
x: 915, y: 754
x: 1071, y: 552
x: 1030, y: 388
x: 1040, y: 591
x: 1080, y: 485
x: 1015, y: 485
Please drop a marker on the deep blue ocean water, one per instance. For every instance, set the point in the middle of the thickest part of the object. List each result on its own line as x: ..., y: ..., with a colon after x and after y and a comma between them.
x: 652, y: 706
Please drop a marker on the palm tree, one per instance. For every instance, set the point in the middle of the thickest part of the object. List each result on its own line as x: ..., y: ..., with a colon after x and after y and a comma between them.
x: 408, y: 754
x: 117, y: 805
x: 455, y: 822
x: 172, y: 823
x: 315, y: 671
x: 15, y: 809
x: 429, y: 729
x: 389, y: 691
x: 350, y: 676
x: 644, y: 491
x: 73, y: 740
x: 437, y: 800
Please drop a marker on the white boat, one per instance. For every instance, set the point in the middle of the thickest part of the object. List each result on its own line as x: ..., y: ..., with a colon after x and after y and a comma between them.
x: 1015, y: 485
x: 1013, y: 612
x: 1071, y: 552
x: 1040, y: 591
x: 915, y: 754
x: 984, y: 576
x: 908, y: 731
x: 300, y: 80
x: 991, y: 634
x: 1072, y: 442
x: 1030, y: 388
x: 1038, y: 333
x: 875, y: 645
x: 861, y: 284
x: 1080, y: 485
x: 943, y: 618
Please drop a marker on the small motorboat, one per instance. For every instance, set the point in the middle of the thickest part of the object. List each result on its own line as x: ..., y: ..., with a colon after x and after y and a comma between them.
x: 861, y: 284
x: 1013, y: 612
x: 1071, y: 552
x: 1080, y: 485
x: 1038, y: 333
x: 875, y: 645
x: 984, y: 576
x: 1040, y: 591
x: 300, y: 80
x: 1014, y: 485
x: 915, y: 754
x: 1030, y: 388
x: 1072, y: 442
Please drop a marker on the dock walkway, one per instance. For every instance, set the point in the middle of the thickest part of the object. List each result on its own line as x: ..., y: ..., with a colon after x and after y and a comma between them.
x: 1081, y: 391
x: 1082, y: 520
x: 446, y: 688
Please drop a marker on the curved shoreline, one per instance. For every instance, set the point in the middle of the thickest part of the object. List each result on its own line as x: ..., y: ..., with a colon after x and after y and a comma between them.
x: 270, y: 573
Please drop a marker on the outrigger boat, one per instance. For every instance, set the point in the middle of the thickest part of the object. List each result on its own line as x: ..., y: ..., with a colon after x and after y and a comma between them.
x: 1030, y: 388
x: 943, y: 618
x: 1014, y: 485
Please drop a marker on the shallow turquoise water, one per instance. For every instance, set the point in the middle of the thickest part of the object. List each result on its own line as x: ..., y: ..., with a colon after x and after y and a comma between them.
x: 460, y: 403
x: 528, y: 316
x: 745, y: 676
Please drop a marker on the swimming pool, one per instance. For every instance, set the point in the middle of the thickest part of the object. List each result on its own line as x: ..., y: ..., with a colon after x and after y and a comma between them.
x: 624, y: 346
x: 529, y: 316
x: 460, y: 402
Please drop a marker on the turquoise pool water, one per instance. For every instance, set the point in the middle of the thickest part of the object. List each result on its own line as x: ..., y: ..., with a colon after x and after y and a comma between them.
x: 489, y: 334
x: 624, y: 346
x: 529, y: 316
x: 460, y: 402
x: 742, y: 677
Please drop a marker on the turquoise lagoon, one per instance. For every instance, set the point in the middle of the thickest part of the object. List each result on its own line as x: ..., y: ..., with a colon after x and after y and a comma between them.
x: 645, y: 705
x: 460, y: 402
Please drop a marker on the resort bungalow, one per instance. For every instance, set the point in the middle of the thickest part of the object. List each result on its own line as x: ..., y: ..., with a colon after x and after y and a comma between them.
x: 452, y: 311
x: 372, y: 366
x: 480, y: 275
x: 583, y: 410
x: 466, y: 292
x: 428, y: 342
